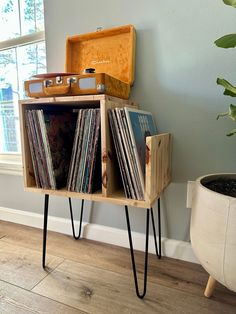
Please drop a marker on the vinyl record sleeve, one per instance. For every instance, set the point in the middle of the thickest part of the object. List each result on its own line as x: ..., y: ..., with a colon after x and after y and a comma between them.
x: 141, y: 124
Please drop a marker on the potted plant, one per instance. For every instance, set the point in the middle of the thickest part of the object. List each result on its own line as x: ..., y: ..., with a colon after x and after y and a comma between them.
x: 213, y: 219
x: 228, y: 41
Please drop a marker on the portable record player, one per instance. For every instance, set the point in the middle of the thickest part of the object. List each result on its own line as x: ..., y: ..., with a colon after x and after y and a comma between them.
x: 96, y: 63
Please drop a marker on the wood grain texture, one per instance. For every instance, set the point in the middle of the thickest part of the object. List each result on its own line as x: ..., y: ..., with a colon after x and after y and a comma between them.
x: 117, y: 196
x: 188, y: 278
x: 158, y: 165
x: 98, y: 291
x: 112, y: 86
x: 110, y: 51
x: 15, y: 300
x: 22, y: 267
x: 67, y: 99
x: 28, y: 171
x: 158, y: 153
x: 111, y: 190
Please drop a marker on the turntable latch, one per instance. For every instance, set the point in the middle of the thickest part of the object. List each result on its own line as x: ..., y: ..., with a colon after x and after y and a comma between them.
x: 47, y: 83
x: 71, y: 80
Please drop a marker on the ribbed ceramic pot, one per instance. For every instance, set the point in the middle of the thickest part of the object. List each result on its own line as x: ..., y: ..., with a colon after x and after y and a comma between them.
x: 213, y: 231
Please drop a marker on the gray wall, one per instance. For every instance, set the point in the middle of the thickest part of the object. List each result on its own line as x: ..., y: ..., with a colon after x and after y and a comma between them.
x: 176, y: 69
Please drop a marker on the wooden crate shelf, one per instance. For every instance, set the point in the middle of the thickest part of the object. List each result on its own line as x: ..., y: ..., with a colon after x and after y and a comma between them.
x: 158, y: 161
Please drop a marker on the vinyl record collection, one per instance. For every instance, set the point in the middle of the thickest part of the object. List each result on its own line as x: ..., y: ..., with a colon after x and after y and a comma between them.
x: 64, y: 147
x: 86, y: 149
x: 129, y: 129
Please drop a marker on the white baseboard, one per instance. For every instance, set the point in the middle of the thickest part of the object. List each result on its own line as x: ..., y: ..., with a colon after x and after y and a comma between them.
x: 170, y: 247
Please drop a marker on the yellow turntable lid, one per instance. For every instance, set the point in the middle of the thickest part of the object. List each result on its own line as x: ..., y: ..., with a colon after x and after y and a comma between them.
x: 110, y: 51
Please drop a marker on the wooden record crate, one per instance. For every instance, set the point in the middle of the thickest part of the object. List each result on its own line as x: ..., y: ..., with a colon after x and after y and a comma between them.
x: 158, y: 160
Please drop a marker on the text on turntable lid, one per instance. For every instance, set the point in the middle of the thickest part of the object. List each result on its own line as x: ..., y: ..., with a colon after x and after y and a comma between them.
x: 110, y: 51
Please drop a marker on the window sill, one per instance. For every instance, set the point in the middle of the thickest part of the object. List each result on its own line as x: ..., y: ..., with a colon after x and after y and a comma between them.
x: 11, y: 164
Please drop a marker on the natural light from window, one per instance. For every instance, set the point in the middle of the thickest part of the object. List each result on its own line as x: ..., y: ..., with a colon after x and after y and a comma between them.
x: 22, y: 54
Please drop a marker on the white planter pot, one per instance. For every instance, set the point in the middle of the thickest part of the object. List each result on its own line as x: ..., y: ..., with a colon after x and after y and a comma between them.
x: 213, y: 231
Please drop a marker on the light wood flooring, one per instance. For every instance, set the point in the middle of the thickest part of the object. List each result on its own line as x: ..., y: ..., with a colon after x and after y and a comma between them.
x: 89, y: 277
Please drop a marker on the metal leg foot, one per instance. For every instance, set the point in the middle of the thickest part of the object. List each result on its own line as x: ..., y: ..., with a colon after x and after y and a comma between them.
x: 72, y: 219
x: 140, y: 295
x: 46, y: 201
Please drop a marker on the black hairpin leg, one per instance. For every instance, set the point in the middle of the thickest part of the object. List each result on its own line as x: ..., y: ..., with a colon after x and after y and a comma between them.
x: 159, y: 225
x: 158, y: 252
x: 140, y: 295
x: 45, y: 223
x: 72, y: 219
x: 46, y: 202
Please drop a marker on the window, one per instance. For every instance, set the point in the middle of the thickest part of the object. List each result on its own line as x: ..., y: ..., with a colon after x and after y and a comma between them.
x: 22, y: 54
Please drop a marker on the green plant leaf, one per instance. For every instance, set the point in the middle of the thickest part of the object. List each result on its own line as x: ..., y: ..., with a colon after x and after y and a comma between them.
x: 231, y: 113
x: 230, y: 90
x: 229, y: 93
x: 223, y: 114
x: 227, y: 41
x: 232, y: 132
x: 232, y: 3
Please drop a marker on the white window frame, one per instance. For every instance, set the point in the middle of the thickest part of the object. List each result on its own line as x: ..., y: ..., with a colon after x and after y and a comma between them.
x: 11, y: 163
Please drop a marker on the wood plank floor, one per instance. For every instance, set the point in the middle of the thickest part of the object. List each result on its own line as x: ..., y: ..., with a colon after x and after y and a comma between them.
x: 89, y: 277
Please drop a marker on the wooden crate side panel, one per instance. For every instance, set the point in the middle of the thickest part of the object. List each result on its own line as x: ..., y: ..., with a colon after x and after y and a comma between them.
x: 28, y: 171
x: 158, y: 165
x: 110, y: 183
